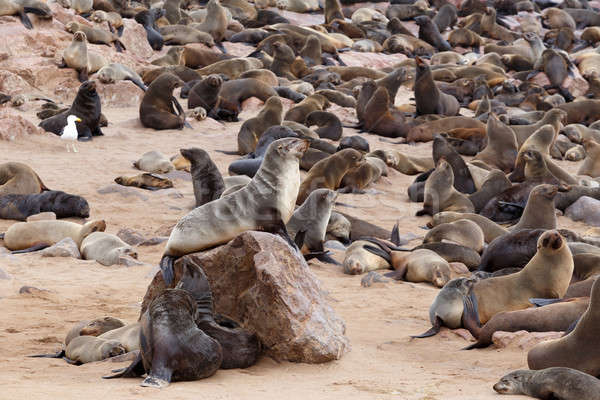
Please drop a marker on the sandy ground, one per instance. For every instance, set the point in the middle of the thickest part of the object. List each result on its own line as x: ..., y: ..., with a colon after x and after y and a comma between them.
x: 383, y: 362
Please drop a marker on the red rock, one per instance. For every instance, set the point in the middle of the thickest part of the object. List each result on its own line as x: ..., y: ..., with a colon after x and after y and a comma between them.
x: 119, y: 94
x: 522, y: 339
x: 13, y: 126
x: 371, y: 60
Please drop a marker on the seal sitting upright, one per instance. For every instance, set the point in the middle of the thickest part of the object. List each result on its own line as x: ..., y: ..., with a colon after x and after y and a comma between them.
x: 266, y: 203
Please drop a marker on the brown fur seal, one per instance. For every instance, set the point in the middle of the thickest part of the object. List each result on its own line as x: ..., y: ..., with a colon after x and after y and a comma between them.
x: 429, y: 99
x: 215, y: 23
x: 86, y: 349
x: 299, y: 112
x: 174, y: 56
x: 556, y: 18
x: 196, y: 56
x: 77, y: 56
x: 440, y: 194
x: 206, y: 179
x: 96, y: 36
x: 539, y: 212
x: 173, y: 348
x: 329, y: 125
x: 154, y: 162
x: 267, y: 202
x: 556, y: 317
x: 181, y: 35
x: 465, y: 38
x: 312, y: 218
x: 379, y: 115
x: 358, y: 260
x: 113, y: 19
x: 550, y: 383
x: 19, y: 178
x: 582, y: 112
x: 328, y: 173
x: 146, y: 181
x: 361, y: 176
x: 333, y: 10
x: 463, y: 232
x: 491, y: 230
x: 591, y: 164
x: 553, y: 262
x: 128, y: 336
x: 576, y: 350
x: 233, y: 93
x: 463, y: 179
x: 492, y: 29
x: 37, y: 235
x: 253, y: 128
x: 159, y: 109
x: 495, y: 183
x: 404, y: 163
x: 425, y: 132
x: 63, y: 205
x: 501, y: 149
x: 105, y: 248
x: 430, y: 33
x: 205, y: 93
x: 115, y: 72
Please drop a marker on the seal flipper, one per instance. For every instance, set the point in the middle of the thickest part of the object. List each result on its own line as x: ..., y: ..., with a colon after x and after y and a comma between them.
x: 59, y: 354
x: 138, y: 83
x: 470, y: 317
x: 379, y: 252
x: 220, y: 46
x: 543, y: 302
x: 166, y: 267
x: 25, y: 20
x: 395, y: 236
x: 72, y: 362
x: 435, y: 329
x: 120, y: 30
x: 119, y: 46
x: 35, y: 247
x: 135, y: 369
x: 82, y: 75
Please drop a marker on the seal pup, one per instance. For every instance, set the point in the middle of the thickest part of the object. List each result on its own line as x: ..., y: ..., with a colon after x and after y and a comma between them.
x: 63, y: 205
x: 553, y: 261
x: 87, y: 107
x: 266, y: 202
x: 329, y: 172
x: 591, y: 163
x: 77, y: 56
x: 114, y: 72
x: 206, y: 179
x: 252, y: 129
x: 550, y: 383
x: 96, y: 36
x: 146, y: 181
x: 440, y: 194
x: 159, y: 109
x: 107, y: 249
x: 577, y: 349
x: 36, y: 235
x: 154, y: 162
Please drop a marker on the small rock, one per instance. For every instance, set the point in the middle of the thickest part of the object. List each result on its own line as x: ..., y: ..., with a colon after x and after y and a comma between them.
x: 65, y: 248
x: 13, y: 125
x: 585, y: 209
x: 131, y: 237
x: 522, y: 339
x: 129, y: 261
x: 124, y: 191
x: 334, y: 245
x: 373, y: 277
x: 44, y: 216
x: 32, y: 290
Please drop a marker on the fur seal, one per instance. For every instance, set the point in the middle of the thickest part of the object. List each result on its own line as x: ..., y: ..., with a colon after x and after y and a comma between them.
x: 463, y: 179
x: 233, y: 93
x: 550, y: 383
x: 492, y: 29
x: 447, y: 308
x: 557, y: 317
x: 64, y: 205
x: 591, y: 163
x: 440, y: 194
x: 96, y: 36
x: 488, y: 297
x: 501, y: 149
x: 358, y: 260
x: 429, y: 99
x: 182, y: 34
x: 429, y: 32
x: 576, y: 349
x: 146, y: 181
x: 299, y: 112
x: 329, y: 125
x: 105, y: 248
x: 147, y: 18
x: 312, y: 218
x: 128, y: 336
x: 19, y: 178
x: 113, y: 19
x: 36, y: 235
x: 404, y: 163
x: 358, y: 178
x: 77, y: 56
x: 154, y: 162
x: 205, y: 92
x: 494, y: 184
x: 86, y: 349
x: 215, y: 23
x: 328, y: 173
x: 252, y: 129
x: 464, y: 232
x: 378, y: 115
x: 173, y: 348
x: 354, y: 142
x: 255, y: 206
x: 114, y: 72
x: 86, y: 106
x: 521, y: 245
x: 159, y: 109
x: 206, y: 179
x: 426, y: 131
x: 491, y: 230
x: 539, y: 212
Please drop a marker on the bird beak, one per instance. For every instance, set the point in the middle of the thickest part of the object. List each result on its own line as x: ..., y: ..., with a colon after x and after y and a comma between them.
x: 78, y: 120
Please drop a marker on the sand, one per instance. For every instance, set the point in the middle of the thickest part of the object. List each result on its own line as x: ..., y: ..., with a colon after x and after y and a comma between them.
x: 384, y: 363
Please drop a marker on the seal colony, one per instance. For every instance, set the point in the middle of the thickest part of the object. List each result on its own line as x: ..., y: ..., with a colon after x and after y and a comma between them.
x: 505, y: 91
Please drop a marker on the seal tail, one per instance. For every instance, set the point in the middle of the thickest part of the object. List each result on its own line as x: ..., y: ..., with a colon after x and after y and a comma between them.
x: 476, y: 345
x: 59, y: 354
x: 435, y: 329
x: 166, y: 267
x: 36, y: 247
x: 25, y: 20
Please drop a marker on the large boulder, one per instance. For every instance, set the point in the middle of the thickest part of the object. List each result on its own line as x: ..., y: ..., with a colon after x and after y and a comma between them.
x: 13, y: 126
x: 585, y: 209
x: 260, y: 282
